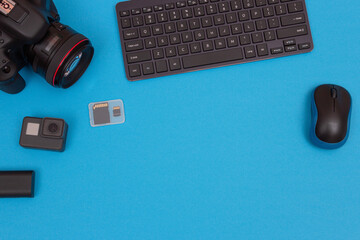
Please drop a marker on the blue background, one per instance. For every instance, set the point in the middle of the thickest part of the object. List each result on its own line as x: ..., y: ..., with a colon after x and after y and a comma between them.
x: 216, y: 154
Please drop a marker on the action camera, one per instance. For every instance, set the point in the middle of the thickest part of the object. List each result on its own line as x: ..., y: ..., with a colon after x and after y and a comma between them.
x: 30, y: 32
x: 44, y: 133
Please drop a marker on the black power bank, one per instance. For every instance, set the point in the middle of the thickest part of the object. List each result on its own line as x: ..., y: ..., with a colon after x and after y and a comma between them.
x: 14, y: 184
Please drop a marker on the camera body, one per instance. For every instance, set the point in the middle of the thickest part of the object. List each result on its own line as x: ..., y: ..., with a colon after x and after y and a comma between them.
x: 30, y: 32
x: 44, y: 133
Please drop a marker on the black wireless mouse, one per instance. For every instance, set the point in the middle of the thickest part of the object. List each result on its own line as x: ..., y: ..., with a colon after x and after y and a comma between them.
x: 331, y: 113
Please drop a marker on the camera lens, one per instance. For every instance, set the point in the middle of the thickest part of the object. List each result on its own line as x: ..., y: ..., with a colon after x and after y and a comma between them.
x: 53, y: 127
x: 62, y: 56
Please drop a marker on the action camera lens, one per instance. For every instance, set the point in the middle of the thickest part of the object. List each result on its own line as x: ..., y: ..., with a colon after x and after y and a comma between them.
x: 53, y: 128
x: 62, y: 56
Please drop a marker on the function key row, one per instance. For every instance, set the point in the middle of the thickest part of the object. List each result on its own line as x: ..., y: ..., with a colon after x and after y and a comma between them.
x: 235, y: 5
x: 231, y: 17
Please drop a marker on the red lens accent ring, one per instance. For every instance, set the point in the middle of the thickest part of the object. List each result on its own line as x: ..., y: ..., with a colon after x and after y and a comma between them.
x: 62, y: 61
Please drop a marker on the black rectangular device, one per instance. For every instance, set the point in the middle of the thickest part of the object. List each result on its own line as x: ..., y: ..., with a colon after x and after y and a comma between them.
x: 44, y: 133
x: 17, y: 184
x: 165, y: 37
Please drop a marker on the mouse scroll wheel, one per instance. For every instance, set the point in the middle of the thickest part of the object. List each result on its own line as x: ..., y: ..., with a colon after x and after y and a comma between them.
x: 333, y: 93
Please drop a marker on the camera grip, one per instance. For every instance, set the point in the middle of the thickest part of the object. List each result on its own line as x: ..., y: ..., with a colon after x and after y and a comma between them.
x: 10, y: 80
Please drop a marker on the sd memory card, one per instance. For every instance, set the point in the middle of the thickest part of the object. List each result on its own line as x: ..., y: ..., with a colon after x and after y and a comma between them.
x: 106, y: 113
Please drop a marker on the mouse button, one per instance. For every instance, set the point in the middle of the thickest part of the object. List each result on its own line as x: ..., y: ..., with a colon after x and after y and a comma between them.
x: 334, y: 93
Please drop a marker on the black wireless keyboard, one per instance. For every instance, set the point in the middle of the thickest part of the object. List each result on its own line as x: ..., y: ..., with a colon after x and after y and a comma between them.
x: 161, y: 38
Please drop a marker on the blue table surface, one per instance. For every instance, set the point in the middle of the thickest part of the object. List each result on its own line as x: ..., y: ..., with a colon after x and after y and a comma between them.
x: 216, y: 154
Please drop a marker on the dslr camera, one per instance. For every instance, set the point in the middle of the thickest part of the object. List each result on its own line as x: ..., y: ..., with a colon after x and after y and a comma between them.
x: 44, y: 133
x: 31, y: 32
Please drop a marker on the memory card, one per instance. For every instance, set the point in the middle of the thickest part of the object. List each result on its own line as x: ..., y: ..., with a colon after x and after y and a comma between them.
x: 106, y: 113
x: 101, y: 113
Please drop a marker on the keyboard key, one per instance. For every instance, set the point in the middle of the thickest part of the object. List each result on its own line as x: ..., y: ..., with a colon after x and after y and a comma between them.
x: 183, y: 50
x: 145, y: 32
x: 248, y: 3
x: 262, y: 50
x: 134, y: 45
x: 139, y: 57
x: 158, y: 8
x: 261, y: 25
x: 289, y: 42
x: 126, y: 23
x: 194, y: 24
x: 124, y: 13
x: 206, y: 22
x: 158, y: 54
x: 182, y: 26
x: 292, y: 32
x: 186, y: 13
x: 224, y: 7
x: 235, y: 5
x: 181, y: 4
x: 131, y: 34
x: 268, y: 11
x: 215, y: 57
x: 170, y: 52
x: 257, y: 37
x: 280, y: 9
x: 290, y: 48
x: 157, y: 30
x: 162, y: 17
x: 219, y: 20
x: 199, y: 11
x: 231, y: 18
x: 199, y: 35
x: 147, y: 10
x: 169, y: 6
x: 211, y: 33
x: 170, y: 28
x: 174, y: 64
x: 269, y: 35
x: 208, y: 46
x: 211, y: 9
x: 148, y: 68
x: 161, y: 66
x: 191, y: 2
x: 277, y: 50
x: 175, y: 39
x: 220, y: 44
x: 162, y: 41
x: 134, y: 71
x: 250, y: 52
x: 293, y: 19
x: 236, y: 29
x: 274, y: 23
x: 138, y: 21
x: 260, y: 3
x: 232, y: 42
x: 136, y: 11
x: 249, y: 27
x: 225, y: 31
x: 245, y: 39
x: 295, y: 7
x: 303, y: 46
x: 150, y: 19
x: 273, y: 1
x: 174, y: 15
x: 187, y: 37
x: 244, y: 16
x: 150, y: 43
x: 195, y: 48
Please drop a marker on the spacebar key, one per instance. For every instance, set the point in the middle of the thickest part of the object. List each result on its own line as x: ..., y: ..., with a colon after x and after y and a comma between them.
x: 199, y: 60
